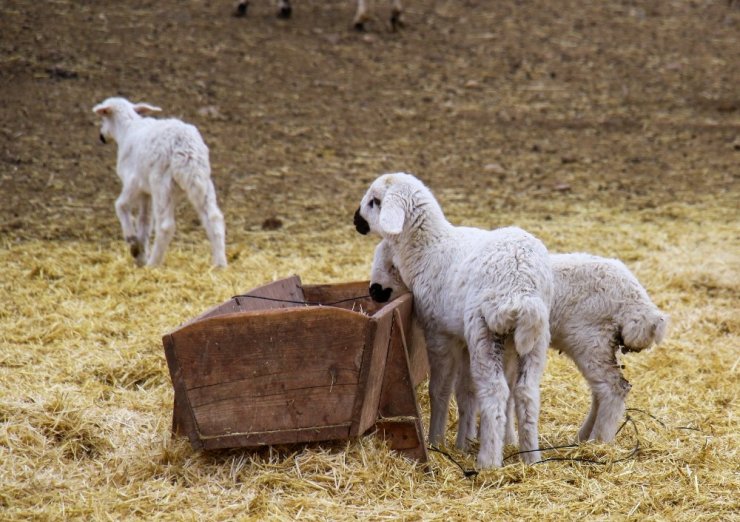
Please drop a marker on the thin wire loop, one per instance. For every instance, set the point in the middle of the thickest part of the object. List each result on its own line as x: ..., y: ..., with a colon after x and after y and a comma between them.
x: 308, y: 303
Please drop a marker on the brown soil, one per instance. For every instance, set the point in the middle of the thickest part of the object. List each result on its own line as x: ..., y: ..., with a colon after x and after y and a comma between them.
x: 496, y: 105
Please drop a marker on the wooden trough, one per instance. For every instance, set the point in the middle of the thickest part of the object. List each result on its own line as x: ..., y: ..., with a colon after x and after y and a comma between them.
x: 265, y: 368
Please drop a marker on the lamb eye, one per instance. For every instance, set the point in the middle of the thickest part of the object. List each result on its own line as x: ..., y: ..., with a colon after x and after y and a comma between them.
x: 374, y: 202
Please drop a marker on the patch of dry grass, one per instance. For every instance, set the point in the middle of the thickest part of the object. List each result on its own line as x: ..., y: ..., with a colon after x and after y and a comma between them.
x: 85, y: 400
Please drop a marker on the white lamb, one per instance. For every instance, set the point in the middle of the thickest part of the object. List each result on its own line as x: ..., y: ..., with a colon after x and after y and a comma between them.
x: 284, y: 8
x: 484, y: 291
x: 154, y: 156
x: 598, y: 307
x: 362, y: 16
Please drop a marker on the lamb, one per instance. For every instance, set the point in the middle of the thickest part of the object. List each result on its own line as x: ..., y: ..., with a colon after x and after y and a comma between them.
x: 154, y: 156
x: 492, y: 291
x: 598, y: 307
x: 361, y: 16
x: 285, y: 10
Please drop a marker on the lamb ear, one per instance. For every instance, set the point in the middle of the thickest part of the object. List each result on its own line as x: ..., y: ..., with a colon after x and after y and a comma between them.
x: 145, y: 108
x: 102, y: 110
x: 392, y: 216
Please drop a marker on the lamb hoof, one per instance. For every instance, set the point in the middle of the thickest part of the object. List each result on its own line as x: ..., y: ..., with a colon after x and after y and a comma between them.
x: 488, y: 461
x: 285, y: 12
x: 396, y: 22
x: 220, y: 261
x: 241, y: 9
x: 463, y: 446
x: 531, y: 457
x: 136, y: 249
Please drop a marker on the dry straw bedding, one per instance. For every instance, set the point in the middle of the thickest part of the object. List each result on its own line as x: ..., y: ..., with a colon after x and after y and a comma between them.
x: 85, y: 401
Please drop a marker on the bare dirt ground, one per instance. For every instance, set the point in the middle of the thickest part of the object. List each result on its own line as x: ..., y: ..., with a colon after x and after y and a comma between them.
x: 619, y: 103
x: 609, y: 127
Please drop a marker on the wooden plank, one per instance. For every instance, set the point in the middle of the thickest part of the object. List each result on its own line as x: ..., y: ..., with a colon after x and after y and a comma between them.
x: 182, y: 415
x: 271, y: 370
x: 296, y: 409
x: 282, y: 343
x: 399, y: 417
x: 401, y: 434
x: 414, y: 339
x: 179, y: 415
x: 327, y: 294
x: 371, y: 374
x: 253, y: 440
x: 288, y: 289
x: 273, y: 384
x: 417, y: 352
x: 398, y: 397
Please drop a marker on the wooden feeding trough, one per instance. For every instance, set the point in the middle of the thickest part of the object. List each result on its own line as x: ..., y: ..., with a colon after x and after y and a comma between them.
x: 265, y: 368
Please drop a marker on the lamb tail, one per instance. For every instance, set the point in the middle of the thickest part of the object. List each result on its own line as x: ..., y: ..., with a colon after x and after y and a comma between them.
x: 528, y: 318
x: 640, y: 332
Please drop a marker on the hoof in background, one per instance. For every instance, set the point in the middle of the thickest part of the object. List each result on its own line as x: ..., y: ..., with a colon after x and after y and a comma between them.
x: 241, y: 9
x: 396, y: 22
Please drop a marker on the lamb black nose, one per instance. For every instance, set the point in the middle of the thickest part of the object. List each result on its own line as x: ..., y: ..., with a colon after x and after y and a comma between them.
x: 362, y: 226
x: 380, y: 294
x: 102, y: 138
